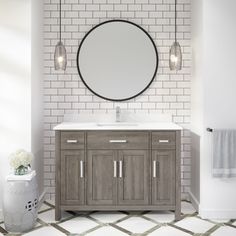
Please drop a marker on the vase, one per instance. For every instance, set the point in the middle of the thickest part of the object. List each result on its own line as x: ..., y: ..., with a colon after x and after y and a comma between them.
x: 21, y: 170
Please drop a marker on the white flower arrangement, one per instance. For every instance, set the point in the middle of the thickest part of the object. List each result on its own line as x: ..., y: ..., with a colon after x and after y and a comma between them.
x: 20, y: 161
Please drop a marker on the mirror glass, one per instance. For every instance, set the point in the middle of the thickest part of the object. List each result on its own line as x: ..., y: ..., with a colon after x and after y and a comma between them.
x: 117, y: 60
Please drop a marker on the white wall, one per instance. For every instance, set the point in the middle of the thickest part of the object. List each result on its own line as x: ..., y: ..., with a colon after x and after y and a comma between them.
x: 220, y: 100
x: 217, y: 69
x: 37, y: 88
x: 21, y: 102
x: 15, y: 102
x: 196, y: 98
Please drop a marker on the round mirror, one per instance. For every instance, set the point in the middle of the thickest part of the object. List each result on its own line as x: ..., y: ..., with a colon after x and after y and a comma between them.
x: 117, y: 60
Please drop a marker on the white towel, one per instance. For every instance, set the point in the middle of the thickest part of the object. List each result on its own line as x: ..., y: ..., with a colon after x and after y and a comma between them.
x: 224, y: 153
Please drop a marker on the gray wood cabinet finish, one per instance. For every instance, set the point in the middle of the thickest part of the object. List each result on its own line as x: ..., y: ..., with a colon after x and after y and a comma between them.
x: 118, y: 175
x: 72, y: 180
x: 117, y: 140
x: 133, y: 186
x: 163, y: 180
x: 101, y: 181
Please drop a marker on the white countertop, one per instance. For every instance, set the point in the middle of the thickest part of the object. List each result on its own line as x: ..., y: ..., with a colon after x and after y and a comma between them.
x: 117, y: 126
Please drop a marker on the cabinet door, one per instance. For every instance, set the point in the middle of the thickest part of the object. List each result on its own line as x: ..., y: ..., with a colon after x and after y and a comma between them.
x: 72, y: 178
x: 133, y: 181
x: 163, y: 177
x: 101, y: 185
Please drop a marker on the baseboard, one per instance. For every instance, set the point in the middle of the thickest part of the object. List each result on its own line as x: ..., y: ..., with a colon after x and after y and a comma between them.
x: 217, y: 214
x: 194, y: 201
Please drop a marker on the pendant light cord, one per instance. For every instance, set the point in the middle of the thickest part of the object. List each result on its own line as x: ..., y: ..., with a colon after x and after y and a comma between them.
x: 60, y: 19
x: 175, y: 21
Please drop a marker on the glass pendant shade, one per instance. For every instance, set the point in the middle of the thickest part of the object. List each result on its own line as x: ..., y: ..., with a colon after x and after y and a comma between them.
x: 175, y: 60
x: 60, y: 59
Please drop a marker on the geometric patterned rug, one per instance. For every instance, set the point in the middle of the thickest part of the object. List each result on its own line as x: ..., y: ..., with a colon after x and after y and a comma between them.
x: 122, y: 223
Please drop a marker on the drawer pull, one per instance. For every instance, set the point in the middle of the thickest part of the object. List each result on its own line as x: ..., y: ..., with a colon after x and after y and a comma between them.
x: 154, y: 170
x: 72, y: 141
x: 117, y: 141
x: 120, y: 169
x: 115, y: 168
x: 163, y: 141
x: 81, y: 169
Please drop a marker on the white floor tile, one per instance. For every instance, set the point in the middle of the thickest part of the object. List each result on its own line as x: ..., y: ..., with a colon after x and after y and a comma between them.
x: 161, y: 216
x: 44, y: 207
x: 187, y: 208
x: 168, y: 231
x: 51, y: 201
x: 136, y: 224
x: 47, y: 230
x: 49, y: 216
x: 108, y: 217
x: 107, y: 230
x: 195, y: 225
x: 78, y: 225
x: 225, y: 231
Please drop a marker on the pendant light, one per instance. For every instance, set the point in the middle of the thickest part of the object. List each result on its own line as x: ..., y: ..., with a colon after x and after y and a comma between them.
x: 60, y: 59
x: 175, y: 60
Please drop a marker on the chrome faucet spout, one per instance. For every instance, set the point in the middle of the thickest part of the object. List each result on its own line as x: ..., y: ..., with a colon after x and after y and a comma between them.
x: 117, y: 114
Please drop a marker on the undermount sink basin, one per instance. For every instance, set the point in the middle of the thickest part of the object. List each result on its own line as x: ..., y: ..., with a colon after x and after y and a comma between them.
x: 117, y: 124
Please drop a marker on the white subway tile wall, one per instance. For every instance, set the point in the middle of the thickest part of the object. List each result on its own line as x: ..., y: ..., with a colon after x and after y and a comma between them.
x: 64, y: 92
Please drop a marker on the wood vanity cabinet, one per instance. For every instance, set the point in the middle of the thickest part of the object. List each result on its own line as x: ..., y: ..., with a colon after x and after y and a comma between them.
x: 117, y: 170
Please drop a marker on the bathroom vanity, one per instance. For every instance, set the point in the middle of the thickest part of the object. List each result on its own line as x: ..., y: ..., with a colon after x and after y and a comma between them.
x: 118, y: 166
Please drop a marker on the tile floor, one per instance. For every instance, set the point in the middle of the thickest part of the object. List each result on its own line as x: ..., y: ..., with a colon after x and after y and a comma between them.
x: 127, y: 223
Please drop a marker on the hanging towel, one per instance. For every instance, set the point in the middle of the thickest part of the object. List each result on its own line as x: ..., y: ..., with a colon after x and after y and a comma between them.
x: 224, y: 153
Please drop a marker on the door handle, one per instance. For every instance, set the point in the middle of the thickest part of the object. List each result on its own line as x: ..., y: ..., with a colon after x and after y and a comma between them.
x: 163, y: 141
x: 154, y: 170
x: 115, y: 168
x: 120, y: 169
x: 117, y: 141
x: 81, y: 169
x: 72, y: 141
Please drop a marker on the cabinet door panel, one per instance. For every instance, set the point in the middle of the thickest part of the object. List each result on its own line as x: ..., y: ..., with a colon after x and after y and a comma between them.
x: 133, y: 188
x: 101, y: 182
x: 163, y: 180
x: 72, y: 185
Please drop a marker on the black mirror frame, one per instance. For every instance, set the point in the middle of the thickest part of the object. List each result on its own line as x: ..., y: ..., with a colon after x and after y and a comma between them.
x: 124, y: 99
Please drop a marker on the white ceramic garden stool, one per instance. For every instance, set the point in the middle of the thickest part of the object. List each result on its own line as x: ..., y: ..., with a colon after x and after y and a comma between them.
x: 20, y: 202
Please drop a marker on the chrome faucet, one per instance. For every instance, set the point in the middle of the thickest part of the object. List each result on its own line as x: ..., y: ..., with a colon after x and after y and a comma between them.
x: 117, y: 114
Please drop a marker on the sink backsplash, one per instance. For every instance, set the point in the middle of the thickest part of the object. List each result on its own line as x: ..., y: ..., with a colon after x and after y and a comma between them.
x: 125, y: 115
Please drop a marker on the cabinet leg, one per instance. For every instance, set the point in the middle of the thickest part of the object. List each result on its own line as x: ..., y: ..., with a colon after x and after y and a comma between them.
x: 177, y: 213
x: 57, y: 213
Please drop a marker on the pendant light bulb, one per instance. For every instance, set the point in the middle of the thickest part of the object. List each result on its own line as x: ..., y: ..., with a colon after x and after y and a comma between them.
x: 60, y: 58
x: 175, y: 60
x: 175, y: 56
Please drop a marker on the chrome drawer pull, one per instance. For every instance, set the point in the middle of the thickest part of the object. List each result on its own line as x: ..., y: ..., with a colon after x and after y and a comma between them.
x: 72, y: 141
x: 163, y: 141
x: 81, y: 169
x: 120, y: 169
x: 154, y: 170
x: 117, y: 141
x: 115, y: 168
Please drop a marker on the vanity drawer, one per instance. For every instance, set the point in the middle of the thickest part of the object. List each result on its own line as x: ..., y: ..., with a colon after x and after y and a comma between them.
x: 72, y: 140
x: 117, y: 140
x: 163, y: 140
